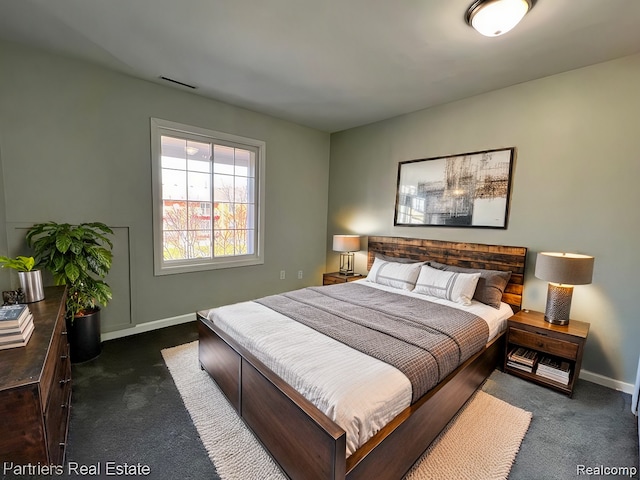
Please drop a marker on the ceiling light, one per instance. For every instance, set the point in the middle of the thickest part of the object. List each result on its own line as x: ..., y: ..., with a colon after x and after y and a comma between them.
x: 496, y: 17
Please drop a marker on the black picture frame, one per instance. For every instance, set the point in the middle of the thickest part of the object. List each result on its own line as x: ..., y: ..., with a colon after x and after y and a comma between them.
x: 470, y: 190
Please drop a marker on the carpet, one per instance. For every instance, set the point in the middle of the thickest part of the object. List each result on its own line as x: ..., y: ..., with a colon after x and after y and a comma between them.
x: 481, y: 442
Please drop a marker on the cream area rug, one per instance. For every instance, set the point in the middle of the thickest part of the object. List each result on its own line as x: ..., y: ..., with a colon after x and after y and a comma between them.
x: 481, y: 442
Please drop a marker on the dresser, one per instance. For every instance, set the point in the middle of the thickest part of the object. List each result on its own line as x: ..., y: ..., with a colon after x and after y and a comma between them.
x: 35, y: 388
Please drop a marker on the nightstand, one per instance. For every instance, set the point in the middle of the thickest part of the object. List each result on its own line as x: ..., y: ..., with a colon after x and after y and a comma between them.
x: 336, y: 277
x: 540, y: 339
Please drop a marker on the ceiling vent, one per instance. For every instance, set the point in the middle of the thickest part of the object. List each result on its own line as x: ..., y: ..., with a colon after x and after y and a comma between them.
x: 167, y: 79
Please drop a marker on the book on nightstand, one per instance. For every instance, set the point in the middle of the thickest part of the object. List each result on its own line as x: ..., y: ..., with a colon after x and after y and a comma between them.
x: 554, y: 369
x: 522, y: 358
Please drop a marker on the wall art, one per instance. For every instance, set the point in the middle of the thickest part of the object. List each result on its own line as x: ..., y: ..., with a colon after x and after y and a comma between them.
x: 464, y: 190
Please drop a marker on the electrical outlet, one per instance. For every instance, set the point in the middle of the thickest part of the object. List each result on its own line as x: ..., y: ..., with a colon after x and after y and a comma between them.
x: 299, y: 274
x: 282, y: 274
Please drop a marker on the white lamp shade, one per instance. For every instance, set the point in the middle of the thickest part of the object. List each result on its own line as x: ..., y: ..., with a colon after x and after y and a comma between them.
x: 496, y: 17
x: 564, y: 268
x: 346, y: 243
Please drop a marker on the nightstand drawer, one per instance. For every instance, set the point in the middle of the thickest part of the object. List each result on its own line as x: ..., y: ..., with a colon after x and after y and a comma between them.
x: 539, y: 341
x: 336, y: 277
x: 328, y: 280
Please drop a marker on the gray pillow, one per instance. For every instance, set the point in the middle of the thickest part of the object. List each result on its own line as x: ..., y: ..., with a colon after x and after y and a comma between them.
x: 491, y: 283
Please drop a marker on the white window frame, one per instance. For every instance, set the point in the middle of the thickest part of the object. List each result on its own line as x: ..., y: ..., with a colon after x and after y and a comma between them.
x: 161, y: 127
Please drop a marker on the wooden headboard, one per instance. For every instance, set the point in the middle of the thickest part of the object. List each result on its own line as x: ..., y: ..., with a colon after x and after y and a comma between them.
x: 469, y: 255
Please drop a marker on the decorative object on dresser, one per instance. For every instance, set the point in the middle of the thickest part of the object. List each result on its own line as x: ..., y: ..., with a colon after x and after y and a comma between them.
x: 35, y: 388
x: 545, y: 353
x: 562, y: 271
x: 29, y: 277
x: 337, y: 277
x: 346, y: 245
x: 80, y: 257
x: 492, y: 18
x: 16, y: 326
x: 462, y: 190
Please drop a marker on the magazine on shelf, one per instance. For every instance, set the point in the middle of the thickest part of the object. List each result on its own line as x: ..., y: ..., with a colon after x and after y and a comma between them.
x: 554, y: 369
x: 519, y: 366
x: 523, y: 356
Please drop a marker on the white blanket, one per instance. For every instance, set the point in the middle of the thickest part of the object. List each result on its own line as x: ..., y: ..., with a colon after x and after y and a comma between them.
x: 360, y: 393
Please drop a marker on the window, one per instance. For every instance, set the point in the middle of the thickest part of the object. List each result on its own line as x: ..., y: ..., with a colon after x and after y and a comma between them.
x: 208, y: 200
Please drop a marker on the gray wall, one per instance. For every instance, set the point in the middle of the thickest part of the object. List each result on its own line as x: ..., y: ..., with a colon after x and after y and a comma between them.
x: 75, y: 146
x: 575, y: 187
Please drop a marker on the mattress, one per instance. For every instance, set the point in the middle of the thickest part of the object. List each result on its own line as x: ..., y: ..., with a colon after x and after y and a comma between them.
x: 358, y: 392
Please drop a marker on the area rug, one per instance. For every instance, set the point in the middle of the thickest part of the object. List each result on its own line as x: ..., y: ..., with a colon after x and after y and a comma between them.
x: 481, y: 442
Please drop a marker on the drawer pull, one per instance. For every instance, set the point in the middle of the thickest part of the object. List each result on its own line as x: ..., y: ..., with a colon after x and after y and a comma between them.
x: 64, y: 405
x: 66, y: 380
x: 64, y: 357
x: 62, y: 445
x: 63, y: 333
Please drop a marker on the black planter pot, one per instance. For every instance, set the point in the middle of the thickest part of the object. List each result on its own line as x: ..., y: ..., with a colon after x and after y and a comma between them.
x: 84, y: 337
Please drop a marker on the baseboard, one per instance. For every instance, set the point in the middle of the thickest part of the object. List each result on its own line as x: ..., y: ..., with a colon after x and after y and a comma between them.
x: 148, y: 326
x: 606, y: 381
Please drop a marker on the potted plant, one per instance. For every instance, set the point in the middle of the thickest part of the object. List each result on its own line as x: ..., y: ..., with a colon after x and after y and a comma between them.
x: 30, y: 278
x: 80, y: 257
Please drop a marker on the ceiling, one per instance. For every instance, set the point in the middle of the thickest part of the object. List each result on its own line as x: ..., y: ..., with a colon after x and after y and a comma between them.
x: 327, y: 64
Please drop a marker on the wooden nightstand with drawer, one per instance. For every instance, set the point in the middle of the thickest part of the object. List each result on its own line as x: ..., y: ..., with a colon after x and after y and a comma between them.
x: 336, y: 277
x: 531, y: 340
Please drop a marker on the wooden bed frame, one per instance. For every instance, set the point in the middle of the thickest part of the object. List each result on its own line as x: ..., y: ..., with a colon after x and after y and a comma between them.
x: 308, y: 445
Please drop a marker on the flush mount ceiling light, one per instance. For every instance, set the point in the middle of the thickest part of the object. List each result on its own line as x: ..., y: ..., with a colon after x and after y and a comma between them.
x: 496, y: 17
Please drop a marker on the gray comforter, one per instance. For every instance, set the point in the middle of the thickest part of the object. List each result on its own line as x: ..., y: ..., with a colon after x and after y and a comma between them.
x: 426, y: 341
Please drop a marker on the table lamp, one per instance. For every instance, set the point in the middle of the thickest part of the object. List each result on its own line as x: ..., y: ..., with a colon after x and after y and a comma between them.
x: 563, y: 271
x: 346, y: 245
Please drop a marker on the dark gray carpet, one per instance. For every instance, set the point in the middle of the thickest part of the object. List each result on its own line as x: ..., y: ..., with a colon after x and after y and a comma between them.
x: 594, y: 428
x: 126, y: 409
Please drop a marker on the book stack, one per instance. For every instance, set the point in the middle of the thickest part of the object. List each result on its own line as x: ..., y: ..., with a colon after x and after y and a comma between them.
x: 522, y: 358
x: 554, y: 369
x: 16, y: 326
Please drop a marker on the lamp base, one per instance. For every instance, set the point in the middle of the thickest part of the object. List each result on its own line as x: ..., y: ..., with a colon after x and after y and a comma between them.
x: 558, y: 304
x: 346, y: 263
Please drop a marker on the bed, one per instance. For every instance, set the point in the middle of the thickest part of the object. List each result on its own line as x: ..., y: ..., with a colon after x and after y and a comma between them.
x: 306, y: 442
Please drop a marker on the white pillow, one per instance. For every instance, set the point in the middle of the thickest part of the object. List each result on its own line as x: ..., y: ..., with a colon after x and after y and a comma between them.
x: 454, y: 286
x: 394, y: 274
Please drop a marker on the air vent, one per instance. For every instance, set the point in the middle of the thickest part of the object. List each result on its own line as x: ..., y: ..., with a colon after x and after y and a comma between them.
x: 167, y: 79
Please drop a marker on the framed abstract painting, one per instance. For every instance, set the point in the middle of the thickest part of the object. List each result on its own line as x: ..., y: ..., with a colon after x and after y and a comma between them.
x: 463, y: 190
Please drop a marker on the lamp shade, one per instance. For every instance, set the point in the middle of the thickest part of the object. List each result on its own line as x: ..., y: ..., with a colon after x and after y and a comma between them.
x: 492, y: 18
x: 346, y: 243
x: 564, y: 268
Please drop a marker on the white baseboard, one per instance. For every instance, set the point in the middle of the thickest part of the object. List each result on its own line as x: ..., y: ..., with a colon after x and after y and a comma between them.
x: 606, y: 381
x: 148, y: 326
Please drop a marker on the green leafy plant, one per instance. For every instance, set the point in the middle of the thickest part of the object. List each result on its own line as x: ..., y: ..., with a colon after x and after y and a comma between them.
x: 78, y: 256
x: 20, y: 264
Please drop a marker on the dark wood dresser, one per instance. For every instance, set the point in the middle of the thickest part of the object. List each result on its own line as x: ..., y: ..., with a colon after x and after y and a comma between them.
x: 35, y: 388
